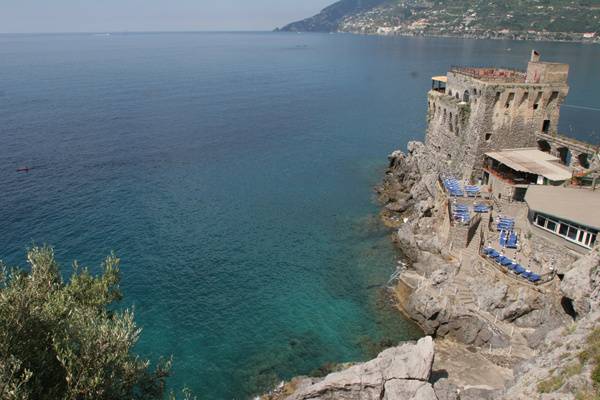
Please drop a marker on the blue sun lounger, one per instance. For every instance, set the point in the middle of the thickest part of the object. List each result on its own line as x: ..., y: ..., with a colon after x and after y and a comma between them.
x: 505, y: 227
x: 519, y: 269
x: 506, y: 262
x: 512, y: 241
x: 480, y: 208
x: 493, y: 254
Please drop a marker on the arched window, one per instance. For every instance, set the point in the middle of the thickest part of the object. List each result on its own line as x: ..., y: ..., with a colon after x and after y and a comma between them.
x: 466, y: 96
x: 584, y: 160
x: 544, y: 146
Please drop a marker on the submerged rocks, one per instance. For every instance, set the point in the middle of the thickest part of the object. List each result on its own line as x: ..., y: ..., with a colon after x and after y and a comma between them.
x: 399, y: 373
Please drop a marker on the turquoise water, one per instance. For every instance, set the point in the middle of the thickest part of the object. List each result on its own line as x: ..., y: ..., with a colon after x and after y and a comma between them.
x: 233, y: 174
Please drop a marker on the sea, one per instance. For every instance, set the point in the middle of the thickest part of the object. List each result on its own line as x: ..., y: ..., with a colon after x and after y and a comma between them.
x: 233, y: 175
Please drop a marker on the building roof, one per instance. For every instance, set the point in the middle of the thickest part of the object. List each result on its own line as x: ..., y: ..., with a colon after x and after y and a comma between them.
x: 580, y: 206
x: 441, y: 78
x: 533, y: 161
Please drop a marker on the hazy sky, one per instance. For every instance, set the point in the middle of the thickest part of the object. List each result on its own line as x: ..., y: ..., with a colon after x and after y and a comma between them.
x: 151, y: 15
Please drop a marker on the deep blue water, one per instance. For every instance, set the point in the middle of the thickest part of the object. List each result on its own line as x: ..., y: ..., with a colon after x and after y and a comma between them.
x: 233, y: 174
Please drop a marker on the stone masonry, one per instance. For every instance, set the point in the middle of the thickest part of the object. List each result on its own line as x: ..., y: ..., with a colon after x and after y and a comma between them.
x: 485, y: 109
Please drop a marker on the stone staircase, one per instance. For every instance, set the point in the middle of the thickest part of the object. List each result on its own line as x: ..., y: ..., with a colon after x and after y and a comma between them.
x: 465, y: 298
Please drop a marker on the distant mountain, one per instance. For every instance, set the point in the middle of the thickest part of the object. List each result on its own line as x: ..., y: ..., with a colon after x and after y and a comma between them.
x: 517, y: 19
x: 330, y: 18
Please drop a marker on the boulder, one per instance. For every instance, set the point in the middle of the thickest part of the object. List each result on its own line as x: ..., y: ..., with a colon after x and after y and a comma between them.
x: 399, y: 206
x: 515, y: 310
x: 489, y: 296
x: 400, y: 389
x: 399, y: 373
x: 580, y: 283
x: 444, y: 390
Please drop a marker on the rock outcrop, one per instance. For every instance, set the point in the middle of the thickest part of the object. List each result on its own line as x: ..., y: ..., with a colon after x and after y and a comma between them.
x: 581, y: 284
x: 524, y: 335
x: 559, y: 371
x: 398, y: 373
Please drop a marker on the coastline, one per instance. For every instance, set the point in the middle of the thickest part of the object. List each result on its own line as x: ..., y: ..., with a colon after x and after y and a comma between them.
x: 485, y: 331
x: 496, y: 36
x: 538, y: 37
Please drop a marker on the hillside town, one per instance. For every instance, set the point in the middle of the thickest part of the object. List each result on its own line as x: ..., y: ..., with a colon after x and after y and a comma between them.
x: 558, y: 20
x: 473, y: 22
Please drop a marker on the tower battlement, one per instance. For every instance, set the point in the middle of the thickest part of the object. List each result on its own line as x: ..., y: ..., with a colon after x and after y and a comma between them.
x: 474, y: 110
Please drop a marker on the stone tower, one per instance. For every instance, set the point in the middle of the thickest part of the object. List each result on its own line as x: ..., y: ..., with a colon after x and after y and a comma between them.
x: 472, y: 111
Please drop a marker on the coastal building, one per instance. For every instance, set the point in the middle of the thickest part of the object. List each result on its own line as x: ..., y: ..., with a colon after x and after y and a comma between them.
x: 509, y: 173
x: 474, y: 111
x: 572, y: 215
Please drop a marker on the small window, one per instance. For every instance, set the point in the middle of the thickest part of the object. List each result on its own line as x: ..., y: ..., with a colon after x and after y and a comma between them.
x: 563, y: 230
x: 524, y: 98
x: 497, y: 98
x: 581, y: 236
x: 572, y: 233
x: 488, y: 136
x: 553, y: 97
x: 551, y: 225
x: 538, y: 98
x: 456, y: 124
x: 546, y: 126
x: 509, y: 100
x: 541, y: 221
x: 450, y: 92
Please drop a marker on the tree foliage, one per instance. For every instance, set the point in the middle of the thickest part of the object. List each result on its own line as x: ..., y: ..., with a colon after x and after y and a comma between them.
x: 62, y: 340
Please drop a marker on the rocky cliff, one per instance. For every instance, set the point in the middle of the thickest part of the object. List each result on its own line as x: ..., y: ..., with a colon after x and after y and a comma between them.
x: 401, y: 372
x: 493, y: 339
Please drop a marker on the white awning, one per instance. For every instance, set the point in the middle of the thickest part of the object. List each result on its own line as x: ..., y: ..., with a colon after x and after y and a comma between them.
x: 533, y: 161
x: 441, y: 78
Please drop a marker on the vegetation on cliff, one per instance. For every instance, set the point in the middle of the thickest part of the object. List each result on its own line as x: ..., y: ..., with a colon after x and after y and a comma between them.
x: 66, y: 340
x: 558, y: 19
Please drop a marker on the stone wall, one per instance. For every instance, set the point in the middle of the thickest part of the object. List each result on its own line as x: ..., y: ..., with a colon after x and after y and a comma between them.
x: 475, y: 116
x: 580, y: 154
x: 500, y: 189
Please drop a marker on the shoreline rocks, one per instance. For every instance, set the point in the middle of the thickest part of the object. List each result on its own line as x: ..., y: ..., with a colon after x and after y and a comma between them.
x: 398, y: 373
x: 494, y: 336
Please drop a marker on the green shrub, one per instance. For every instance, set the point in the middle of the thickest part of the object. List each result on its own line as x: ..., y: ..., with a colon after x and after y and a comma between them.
x: 59, y: 340
x: 551, y: 384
